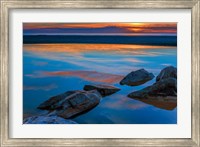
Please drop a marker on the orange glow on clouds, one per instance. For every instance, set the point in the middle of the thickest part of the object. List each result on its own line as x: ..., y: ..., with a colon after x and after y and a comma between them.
x: 94, y: 25
x: 130, y: 27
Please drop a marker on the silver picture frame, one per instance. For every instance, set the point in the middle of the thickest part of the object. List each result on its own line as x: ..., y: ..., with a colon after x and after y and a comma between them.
x: 7, y: 5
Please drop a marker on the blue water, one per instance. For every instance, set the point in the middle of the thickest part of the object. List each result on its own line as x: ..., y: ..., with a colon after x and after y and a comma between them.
x: 114, y: 109
x: 105, y: 39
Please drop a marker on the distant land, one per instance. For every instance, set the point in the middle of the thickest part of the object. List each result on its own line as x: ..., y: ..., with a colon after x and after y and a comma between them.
x: 108, y: 39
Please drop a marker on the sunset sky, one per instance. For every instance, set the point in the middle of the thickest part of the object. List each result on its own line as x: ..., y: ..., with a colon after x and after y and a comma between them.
x: 100, y: 29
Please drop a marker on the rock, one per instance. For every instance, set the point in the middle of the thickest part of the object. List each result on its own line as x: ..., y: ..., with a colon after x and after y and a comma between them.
x: 136, y: 78
x: 73, y: 104
x: 168, y: 72
x: 104, y: 90
x: 163, y: 88
x: 79, y: 102
x: 54, y: 102
x: 47, y: 119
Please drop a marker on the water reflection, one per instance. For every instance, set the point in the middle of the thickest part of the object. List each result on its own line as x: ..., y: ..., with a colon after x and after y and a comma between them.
x: 51, y: 69
x: 120, y: 101
x: 163, y: 103
x: 36, y: 87
x: 115, y: 58
x: 81, y: 48
x: 92, y: 76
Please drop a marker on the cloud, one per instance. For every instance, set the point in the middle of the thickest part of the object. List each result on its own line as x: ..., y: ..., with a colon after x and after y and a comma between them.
x: 100, y: 28
x: 98, y: 25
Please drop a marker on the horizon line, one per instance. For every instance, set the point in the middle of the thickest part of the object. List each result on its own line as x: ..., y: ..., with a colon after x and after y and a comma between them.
x: 84, y: 34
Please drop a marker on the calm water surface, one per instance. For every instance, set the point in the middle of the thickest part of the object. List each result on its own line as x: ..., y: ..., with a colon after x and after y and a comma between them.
x: 51, y: 69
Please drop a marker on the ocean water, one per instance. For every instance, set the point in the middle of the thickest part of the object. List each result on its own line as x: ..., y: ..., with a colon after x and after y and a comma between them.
x: 51, y: 69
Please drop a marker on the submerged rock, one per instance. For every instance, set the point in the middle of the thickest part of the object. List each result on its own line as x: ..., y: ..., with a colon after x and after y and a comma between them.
x: 104, y: 90
x: 136, y: 78
x: 160, y: 89
x: 68, y: 105
x: 168, y: 72
x: 47, y: 119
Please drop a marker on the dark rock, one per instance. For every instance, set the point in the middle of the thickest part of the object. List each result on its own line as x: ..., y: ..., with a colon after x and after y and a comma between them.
x: 160, y: 89
x: 168, y: 72
x: 136, y: 78
x: 73, y: 104
x: 104, y: 90
x: 78, y: 103
x: 54, y: 102
x: 47, y: 119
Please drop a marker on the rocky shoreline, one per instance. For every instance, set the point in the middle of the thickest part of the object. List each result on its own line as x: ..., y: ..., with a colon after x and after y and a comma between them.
x: 64, y: 106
